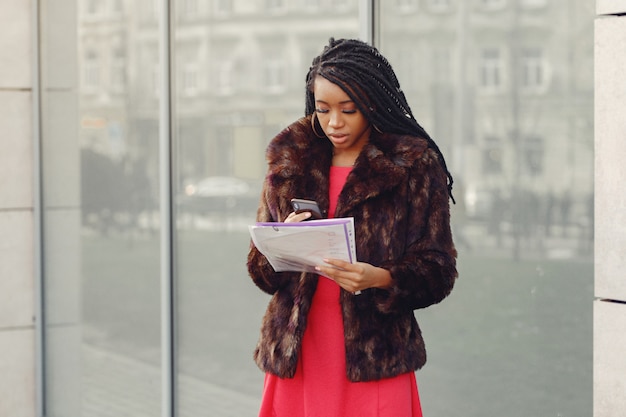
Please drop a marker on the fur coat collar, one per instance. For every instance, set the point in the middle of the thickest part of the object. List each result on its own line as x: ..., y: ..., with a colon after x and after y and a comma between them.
x: 299, y: 163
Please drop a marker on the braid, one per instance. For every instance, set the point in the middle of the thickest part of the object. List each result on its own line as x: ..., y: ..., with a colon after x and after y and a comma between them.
x: 369, y: 80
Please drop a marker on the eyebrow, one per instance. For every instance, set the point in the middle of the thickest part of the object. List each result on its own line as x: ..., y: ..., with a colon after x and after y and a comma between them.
x: 341, y: 102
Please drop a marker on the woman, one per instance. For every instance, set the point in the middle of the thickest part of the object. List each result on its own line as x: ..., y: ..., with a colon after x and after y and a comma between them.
x: 346, y: 342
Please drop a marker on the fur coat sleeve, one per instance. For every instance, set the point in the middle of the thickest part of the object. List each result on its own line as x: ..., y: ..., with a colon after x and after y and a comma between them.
x: 397, y: 194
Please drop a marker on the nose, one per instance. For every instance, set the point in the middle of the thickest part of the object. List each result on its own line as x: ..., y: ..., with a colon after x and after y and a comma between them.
x: 335, y: 119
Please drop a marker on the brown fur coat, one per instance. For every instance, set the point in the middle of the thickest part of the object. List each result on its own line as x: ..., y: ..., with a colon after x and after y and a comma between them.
x: 398, y: 196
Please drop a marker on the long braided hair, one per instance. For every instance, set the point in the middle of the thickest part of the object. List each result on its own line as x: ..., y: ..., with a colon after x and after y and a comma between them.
x: 366, y: 76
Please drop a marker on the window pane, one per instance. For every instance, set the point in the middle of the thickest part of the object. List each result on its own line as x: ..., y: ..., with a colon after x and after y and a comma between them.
x: 253, y: 60
x: 515, y: 124
x: 100, y: 153
x: 498, y: 95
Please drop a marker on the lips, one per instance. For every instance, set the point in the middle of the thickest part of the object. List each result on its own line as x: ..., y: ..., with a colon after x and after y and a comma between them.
x: 338, y: 137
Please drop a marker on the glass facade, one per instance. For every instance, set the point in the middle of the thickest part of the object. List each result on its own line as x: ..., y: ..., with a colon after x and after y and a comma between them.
x: 504, y: 87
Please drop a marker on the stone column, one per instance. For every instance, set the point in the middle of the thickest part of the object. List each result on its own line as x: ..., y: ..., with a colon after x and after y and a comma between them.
x: 610, y: 210
x: 17, y: 305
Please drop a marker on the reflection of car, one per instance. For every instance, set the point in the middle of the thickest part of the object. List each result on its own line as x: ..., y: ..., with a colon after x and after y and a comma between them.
x: 219, y: 194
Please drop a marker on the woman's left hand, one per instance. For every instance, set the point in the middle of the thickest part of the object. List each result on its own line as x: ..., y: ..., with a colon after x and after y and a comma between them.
x: 355, y: 277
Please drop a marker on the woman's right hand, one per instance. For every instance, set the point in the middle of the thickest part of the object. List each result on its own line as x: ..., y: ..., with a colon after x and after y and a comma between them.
x: 297, y: 217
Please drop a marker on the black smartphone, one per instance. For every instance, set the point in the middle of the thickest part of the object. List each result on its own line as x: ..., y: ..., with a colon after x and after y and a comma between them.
x: 299, y: 205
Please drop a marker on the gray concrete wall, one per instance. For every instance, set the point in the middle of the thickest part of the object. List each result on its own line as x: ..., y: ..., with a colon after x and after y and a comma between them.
x: 17, y: 330
x: 610, y: 210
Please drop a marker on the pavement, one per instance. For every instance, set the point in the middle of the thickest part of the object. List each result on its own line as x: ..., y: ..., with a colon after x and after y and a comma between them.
x: 119, y: 386
x: 536, y: 326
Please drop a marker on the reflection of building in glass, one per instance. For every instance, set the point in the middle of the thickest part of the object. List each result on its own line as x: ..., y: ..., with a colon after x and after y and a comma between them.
x: 513, y: 106
x: 238, y: 77
x: 505, y: 87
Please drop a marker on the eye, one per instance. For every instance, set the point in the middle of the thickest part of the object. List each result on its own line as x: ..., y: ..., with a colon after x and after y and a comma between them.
x: 321, y: 111
x: 349, y: 111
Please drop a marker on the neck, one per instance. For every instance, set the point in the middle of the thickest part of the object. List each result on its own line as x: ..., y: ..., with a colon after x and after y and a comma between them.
x: 344, y: 158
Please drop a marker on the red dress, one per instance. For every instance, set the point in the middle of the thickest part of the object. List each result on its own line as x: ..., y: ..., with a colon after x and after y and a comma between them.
x: 320, y: 387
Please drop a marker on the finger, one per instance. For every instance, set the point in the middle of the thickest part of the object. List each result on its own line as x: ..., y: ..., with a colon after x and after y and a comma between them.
x: 328, y: 271
x: 297, y: 217
x: 349, y: 286
x: 338, y: 263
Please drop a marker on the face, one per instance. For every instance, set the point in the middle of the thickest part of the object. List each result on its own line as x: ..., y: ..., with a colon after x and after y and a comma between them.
x: 341, y: 120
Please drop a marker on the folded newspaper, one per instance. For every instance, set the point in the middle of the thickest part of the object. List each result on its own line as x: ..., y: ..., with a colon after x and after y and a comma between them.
x: 301, y: 246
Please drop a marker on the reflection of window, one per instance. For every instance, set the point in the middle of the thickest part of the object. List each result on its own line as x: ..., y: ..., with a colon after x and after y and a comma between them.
x: 274, y: 74
x: 533, y: 70
x: 275, y: 6
x: 530, y: 4
x: 156, y: 80
x: 118, y: 69
x: 439, y: 5
x: 93, y: 7
x: 492, y: 156
x: 190, y: 9
x: 406, y: 64
x: 533, y: 154
x: 189, y: 75
x: 442, y: 65
x: 118, y: 6
x: 493, y: 4
x: 340, y: 5
x: 223, y: 7
x: 150, y: 10
x: 224, y: 163
x: 224, y: 77
x: 311, y: 5
x: 194, y: 9
x: 308, y: 52
x: 190, y: 82
x: 91, y: 70
x: 491, y: 68
x: 405, y: 5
